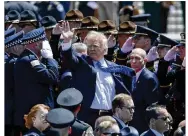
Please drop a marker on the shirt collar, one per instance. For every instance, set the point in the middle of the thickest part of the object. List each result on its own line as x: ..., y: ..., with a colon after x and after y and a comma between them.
x: 156, y: 132
x: 102, y: 61
x: 138, y: 73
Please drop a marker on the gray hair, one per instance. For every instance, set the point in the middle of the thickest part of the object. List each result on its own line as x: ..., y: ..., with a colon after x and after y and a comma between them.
x: 93, y: 35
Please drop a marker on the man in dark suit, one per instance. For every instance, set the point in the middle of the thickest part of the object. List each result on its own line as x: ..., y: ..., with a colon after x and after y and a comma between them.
x: 71, y: 99
x: 123, y: 110
x: 98, y: 87
x: 146, y: 90
x: 34, y: 77
x: 158, y: 120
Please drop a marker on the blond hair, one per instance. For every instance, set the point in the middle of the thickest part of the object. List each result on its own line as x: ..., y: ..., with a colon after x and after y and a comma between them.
x: 32, y: 113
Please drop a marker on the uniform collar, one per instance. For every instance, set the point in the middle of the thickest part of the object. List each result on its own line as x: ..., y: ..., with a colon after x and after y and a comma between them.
x: 156, y: 132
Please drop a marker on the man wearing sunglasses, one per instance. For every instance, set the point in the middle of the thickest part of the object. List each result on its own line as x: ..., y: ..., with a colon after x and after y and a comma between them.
x: 123, y: 110
x: 158, y: 120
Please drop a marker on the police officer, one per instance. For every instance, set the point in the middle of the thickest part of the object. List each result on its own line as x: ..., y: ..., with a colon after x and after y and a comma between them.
x: 108, y: 27
x: 89, y: 23
x: 60, y: 120
x: 13, y: 18
x: 35, y: 73
x: 71, y: 99
x: 10, y: 46
x: 28, y: 21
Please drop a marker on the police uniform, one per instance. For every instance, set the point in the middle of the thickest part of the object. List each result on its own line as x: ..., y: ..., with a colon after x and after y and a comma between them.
x: 125, y: 28
x: 33, y: 78
x: 161, y: 71
x: 70, y: 99
x: 108, y: 27
x: 11, y: 41
x: 59, y: 118
x: 177, y: 77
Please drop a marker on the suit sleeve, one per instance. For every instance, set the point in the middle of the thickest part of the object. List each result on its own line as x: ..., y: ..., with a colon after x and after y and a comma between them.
x: 46, y: 70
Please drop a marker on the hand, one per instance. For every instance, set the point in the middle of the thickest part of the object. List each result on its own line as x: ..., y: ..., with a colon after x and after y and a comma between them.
x: 152, y: 54
x: 170, y: 54
x: 67, y: 35
x: 111, y: 41
x: 127, y: 46
x: 46, y: 50
x: 57, y: 30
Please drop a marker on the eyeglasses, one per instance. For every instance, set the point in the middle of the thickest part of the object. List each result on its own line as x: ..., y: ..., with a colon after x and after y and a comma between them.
x: 164, y: 118
x: 129, y: 108
x: 112, y: 134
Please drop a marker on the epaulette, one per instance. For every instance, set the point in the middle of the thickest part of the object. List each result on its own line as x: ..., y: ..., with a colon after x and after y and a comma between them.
x: 85, y: 124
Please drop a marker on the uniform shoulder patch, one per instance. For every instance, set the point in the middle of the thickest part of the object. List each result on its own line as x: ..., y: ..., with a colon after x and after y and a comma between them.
x: 35, y: 63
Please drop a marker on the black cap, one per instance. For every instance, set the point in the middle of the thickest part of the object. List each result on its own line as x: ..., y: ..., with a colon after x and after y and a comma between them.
x: 13, y: 16
x: 14, y: 40
x: 129, y: 131
x: 27, y: 16
x: 60, y: 118
x: 69, y: 97
x: 145, y: 31
x: 48, y: 22
x: 166, y: 42
x: 141, y: 19
x: 10, y: 32
x: 182, y: 41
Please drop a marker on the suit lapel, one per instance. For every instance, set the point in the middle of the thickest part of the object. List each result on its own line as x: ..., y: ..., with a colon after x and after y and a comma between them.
x: 150, y: 133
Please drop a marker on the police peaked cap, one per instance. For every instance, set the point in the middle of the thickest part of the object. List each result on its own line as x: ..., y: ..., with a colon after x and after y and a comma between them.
x: 34, y: 36
x: 140, y: 18
x: 14, y: 40
x: 145, y: 31
x: 60, y: 118
x: 69, y: 97
x: 166, y: 42
x: 10, y: 32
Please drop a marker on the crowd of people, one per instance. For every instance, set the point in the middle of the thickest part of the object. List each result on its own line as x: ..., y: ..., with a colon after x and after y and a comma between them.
x: 83, y: 77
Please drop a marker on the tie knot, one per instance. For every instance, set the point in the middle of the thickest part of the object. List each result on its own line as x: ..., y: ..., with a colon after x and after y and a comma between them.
x: 99, y: 64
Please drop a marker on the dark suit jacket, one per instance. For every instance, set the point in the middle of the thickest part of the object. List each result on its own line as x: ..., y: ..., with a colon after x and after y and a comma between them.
x: 84, y: 79
x: 148, y: 133
x: 145, y: 93
x: 119, y: 124
x: 33, y: 85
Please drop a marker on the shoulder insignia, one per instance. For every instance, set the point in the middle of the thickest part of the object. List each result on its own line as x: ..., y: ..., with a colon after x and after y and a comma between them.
x: 35, y: 63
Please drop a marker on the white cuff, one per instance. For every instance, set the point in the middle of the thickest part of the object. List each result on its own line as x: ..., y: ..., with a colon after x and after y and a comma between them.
x: 66, y: 46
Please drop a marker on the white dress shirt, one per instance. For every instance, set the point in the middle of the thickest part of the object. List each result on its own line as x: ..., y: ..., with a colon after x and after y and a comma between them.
x: 105, y: 88
x: 156, y: 132
x: 138, y: 73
